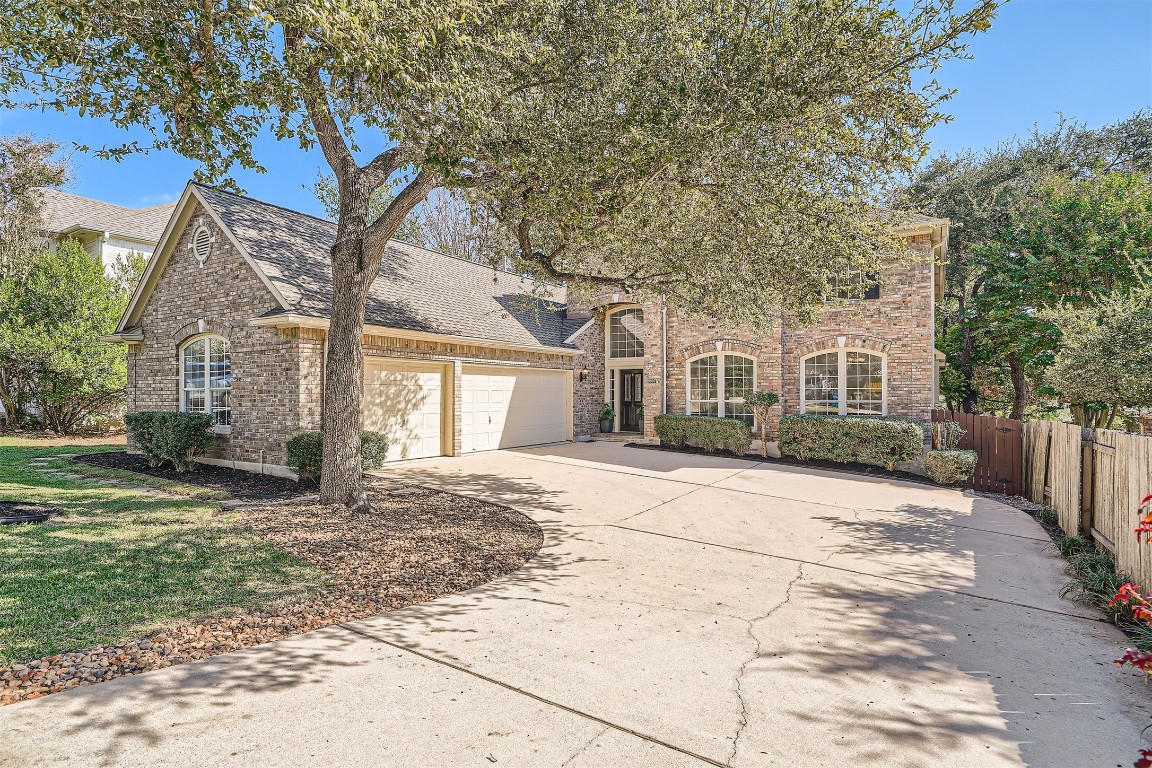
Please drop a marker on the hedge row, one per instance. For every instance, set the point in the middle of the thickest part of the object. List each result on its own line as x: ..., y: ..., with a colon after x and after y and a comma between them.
x: 170, y: 436
x: 305, y: 452
x: 707, y: 432
x: 883, y: 441
x: 950, y: 467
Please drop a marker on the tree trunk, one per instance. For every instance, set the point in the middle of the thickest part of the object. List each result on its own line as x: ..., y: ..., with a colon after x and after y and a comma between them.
x: 340, y: 477
x: 970, y: 402
x: 1022, y: 391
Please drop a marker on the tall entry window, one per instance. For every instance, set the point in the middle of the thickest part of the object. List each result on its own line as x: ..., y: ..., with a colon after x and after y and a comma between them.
x: 626, y: 333
x: 843, y: 382
x: 718, y: 384
x: 206, y: 378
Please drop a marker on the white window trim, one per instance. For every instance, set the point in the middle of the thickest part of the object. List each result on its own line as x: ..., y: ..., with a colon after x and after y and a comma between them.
x: 620, y: 362
x: 223, y: 429
x: 719, y: 379
x: 842, y: 377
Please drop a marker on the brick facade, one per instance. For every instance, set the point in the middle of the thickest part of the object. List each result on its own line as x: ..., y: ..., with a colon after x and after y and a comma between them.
x: 899, y: 325
x: 277, y: 374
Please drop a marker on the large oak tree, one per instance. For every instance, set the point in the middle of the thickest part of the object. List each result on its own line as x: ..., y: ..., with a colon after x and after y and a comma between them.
x: 727, y: 155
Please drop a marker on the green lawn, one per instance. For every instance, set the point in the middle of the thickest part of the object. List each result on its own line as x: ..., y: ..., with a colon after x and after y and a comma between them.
x: 122, y: 563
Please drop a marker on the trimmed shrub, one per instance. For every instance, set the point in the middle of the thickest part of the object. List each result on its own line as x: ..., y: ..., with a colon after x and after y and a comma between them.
x: 882, y: 441
x: 305, y: 452
x: 950, y: 467
x: 172, y: 436
x: 708, y: 432
x: 373, y: 449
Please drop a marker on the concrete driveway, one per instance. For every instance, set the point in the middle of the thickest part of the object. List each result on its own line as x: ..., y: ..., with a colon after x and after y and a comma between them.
x: 684, y: 611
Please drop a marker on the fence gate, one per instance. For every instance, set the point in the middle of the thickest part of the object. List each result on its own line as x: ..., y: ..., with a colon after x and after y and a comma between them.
x: 999, y: 444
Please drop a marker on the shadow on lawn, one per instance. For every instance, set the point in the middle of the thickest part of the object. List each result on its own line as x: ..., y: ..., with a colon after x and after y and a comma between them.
x: 123, y: 716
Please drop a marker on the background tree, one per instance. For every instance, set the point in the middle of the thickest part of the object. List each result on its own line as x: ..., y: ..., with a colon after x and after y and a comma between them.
x: 49, y: 334
x: 698, y: 150
x: 1001, y: 264
x: 26, y: 166
x: 456, y: 225
x: 1104, y: 360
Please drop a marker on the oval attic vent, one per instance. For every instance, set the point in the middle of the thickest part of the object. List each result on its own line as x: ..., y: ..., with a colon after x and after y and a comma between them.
x: 201, y: 244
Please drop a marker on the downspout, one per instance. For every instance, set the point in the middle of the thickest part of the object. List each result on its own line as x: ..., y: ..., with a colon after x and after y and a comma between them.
x: 663, y: 357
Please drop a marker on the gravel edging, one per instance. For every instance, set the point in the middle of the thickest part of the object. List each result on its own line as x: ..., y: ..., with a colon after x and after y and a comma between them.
x: 415, y: 546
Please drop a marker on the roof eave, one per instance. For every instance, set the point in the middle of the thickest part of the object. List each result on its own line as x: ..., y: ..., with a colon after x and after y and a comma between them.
x: 285, y: 320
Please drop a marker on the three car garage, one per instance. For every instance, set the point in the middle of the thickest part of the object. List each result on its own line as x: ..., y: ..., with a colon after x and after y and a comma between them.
x: 416, y: 404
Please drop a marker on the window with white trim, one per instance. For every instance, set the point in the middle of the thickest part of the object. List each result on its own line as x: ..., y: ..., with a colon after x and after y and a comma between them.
x: 718, y: 384
x: 206, y: 378
x: 843, y: 382
x: 626, y: 333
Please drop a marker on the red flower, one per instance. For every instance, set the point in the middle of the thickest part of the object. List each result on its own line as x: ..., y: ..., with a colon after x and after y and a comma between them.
x: 1137, y: 659
x: 1145, y: 760
x: 1127, y: 594
x: 1146, y: 521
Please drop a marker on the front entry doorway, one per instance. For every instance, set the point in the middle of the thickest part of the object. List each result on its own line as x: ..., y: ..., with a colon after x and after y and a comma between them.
x: 631, y: 400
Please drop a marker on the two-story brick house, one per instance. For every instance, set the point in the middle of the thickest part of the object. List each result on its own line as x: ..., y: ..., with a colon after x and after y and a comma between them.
x: 231, y: 319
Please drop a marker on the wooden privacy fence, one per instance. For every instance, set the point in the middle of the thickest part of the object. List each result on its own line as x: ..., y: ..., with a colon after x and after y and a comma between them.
x: 1093, y: 480
x: 999, y: 448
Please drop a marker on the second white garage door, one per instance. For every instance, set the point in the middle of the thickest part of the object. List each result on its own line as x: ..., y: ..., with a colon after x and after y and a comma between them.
x: 504, y: 407
x: 404, y: 399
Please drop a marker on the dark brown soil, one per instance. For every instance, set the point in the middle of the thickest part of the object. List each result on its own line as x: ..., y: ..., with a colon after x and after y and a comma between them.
x: 18, y: 512
x: 416, y: 545
x: 248, y: 486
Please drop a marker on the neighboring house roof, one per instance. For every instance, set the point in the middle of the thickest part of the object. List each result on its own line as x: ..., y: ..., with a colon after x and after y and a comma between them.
x: 65, y: 213
x: 418, y: 290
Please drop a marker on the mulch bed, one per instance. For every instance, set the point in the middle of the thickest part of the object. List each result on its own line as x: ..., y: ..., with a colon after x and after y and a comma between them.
x: 416, y: 545
x: 850, y: 468
x: 237, y: 483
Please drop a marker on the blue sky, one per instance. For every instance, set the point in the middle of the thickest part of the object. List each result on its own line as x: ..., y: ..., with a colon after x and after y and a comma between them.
x: 1088, y: 59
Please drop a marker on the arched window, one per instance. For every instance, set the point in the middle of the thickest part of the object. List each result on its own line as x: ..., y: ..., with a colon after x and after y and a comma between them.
x: 206, y: 378
x: 718, y: 384
x: 843, y: 381
x: 626, y: 333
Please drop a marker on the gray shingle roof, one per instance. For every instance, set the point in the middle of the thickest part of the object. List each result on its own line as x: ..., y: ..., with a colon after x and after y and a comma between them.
x: 63, y: 211
x: 417, y: 290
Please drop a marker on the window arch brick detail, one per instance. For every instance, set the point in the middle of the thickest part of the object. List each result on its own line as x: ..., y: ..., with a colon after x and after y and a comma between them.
x: 212, y: 327
x: 734, y: 346
x: 832, y: 343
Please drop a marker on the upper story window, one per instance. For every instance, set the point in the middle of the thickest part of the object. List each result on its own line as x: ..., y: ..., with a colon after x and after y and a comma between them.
x: 854, y: 286
x: 843, y: 382
x: 206, y: 378
x: 718, y: 384
x: 625, y: 333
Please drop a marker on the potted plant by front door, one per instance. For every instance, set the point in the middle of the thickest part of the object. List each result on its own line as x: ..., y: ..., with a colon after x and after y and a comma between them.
x: 607, y: 417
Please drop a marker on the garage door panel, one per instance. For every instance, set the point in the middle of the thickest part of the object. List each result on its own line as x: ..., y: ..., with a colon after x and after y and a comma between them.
x: 507, y: 408
x: 404, y: 400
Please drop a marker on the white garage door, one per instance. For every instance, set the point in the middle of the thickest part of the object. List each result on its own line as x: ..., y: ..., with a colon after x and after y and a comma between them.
x: 405, y: 401
x: 504, y: 408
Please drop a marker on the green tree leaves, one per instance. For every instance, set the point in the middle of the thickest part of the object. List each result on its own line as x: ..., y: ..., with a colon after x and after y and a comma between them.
x: 49, y: 337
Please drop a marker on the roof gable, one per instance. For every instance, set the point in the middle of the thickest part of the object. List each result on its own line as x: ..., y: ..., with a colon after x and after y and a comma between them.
x: 63, y: 212
x: 417, y: 290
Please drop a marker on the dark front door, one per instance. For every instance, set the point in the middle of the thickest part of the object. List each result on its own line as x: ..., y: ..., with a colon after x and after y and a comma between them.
x: 631, y: 400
